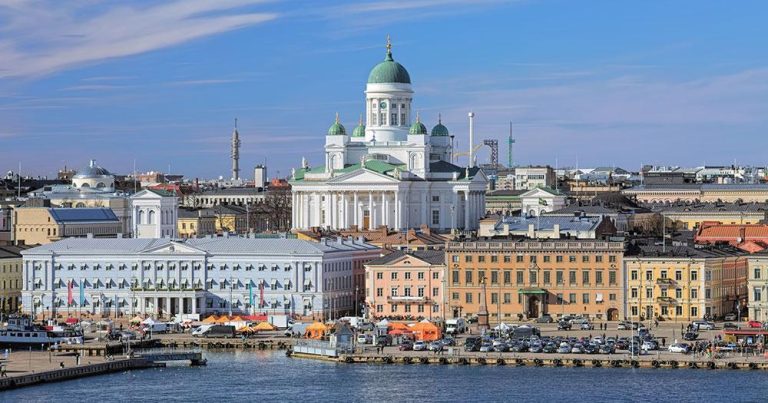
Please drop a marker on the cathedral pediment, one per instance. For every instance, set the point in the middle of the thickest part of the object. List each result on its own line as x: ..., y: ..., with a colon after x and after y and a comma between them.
x: 171, y: 248
x: 363, y: 176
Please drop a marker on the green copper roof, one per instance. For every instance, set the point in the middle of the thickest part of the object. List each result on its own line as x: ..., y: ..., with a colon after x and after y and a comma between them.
x: 360, y: 129
x: 439, y: 129
x: 389, y: 71
x: 337, y: 129
x: 418, y: 128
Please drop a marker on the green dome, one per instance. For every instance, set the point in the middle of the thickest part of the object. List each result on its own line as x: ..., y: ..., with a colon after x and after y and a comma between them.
x: 359, y: 130
x: 439, y: 129
x: 389, y: 71
x: 417, y: 127
x: 337, y: 129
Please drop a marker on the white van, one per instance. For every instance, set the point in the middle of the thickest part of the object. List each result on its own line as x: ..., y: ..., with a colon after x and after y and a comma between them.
x: 455, y: 326
x: 200, y: 330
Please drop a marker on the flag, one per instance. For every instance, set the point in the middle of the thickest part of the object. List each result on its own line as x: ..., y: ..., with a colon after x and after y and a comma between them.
x: 261, y: 295
x: 250, y: 293
x: 82, y: 293
x: 70, y: 298
x: 542, y: 201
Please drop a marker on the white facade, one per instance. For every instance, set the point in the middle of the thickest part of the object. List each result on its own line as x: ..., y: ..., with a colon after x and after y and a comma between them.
x: 757, y: 288
x: 541, y: 200
x: 165, y: 277
x: 155, y: 214
x: 388, y: 171
x: 527, y: 178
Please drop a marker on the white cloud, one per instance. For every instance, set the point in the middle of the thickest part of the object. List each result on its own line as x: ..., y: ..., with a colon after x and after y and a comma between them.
x: 45, y: 36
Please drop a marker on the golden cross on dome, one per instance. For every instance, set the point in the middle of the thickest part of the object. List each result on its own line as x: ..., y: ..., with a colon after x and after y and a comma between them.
x: 337, y: 117
x: 389, y: 44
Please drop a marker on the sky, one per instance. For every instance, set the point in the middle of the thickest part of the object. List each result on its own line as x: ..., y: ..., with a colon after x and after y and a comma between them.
x: 584, y: 83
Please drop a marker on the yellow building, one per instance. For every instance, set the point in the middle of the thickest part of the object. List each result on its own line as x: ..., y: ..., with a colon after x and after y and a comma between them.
x: 43, y: 225
x: 691, y: 216
x: 196, y: 223
x: 10, y: 278
x: 530, y: 278
x: 230, y: 219
x: 683, y: 283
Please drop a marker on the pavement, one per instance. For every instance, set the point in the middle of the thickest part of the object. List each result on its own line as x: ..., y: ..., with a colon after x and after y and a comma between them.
x: 23, y: 362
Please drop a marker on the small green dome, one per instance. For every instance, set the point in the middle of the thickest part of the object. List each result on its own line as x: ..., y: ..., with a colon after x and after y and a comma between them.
x: 360, y: 129
x: 417, y: 127
x: 389, y: 71
x: 337, y: 129
x: 440, y: 129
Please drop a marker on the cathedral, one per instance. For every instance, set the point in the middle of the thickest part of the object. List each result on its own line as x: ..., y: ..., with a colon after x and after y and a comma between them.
x: 389, y: 170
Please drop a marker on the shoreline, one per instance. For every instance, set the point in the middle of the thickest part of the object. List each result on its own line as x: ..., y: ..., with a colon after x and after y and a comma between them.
x: 64, y: 374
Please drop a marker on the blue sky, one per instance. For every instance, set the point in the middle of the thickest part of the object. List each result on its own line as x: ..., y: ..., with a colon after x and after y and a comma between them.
x: 586, y: 83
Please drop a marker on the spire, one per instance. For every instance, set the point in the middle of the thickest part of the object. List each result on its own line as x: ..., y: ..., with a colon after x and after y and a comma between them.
x: 418, y: 117
x: 389, y: 50
x: 439, y: 118
x: 235, y: 123
x: 337, y: 117
x: 360, y: 121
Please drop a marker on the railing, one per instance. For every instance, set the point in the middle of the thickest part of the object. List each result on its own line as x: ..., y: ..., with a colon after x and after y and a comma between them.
x: 394, y: 300
x: 666, y: 300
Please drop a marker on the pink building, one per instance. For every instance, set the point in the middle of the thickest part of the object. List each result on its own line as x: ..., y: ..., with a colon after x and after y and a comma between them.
x: 406, y: 285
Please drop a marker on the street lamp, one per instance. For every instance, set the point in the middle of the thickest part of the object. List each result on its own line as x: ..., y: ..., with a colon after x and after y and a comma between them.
x: 357, y: 302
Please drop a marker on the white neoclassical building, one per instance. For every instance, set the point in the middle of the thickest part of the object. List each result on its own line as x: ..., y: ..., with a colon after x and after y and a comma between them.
x: 165, y: 277
x: 155, y: 214
x: 390, y: 171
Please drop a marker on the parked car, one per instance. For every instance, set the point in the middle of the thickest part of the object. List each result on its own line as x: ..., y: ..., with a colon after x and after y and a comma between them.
x: 679, y: 348
x: 563, y: 325
x: 650, y: 345
x: 501, y: 348
x: 364, y: 338
x: 754, y: 324
x: 435, y: 346
x: 546, y: 318
x: 579, y: 320
x: 587, y: 326
x: 549, y: 348
x: 405, y: 346
x: 730, y: 326
x: 577, y: 348
x: 703, y: 325
x: 384, y: 340
x: 607, y: 349
x: 690, y: 336
x: 486, y: 347
x: 730, y: 316
x: 564, y: 348
x: 420, y: 346
x: 623, y: 326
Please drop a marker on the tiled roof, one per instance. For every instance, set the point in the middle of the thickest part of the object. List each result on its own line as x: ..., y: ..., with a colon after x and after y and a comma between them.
x: 712, y: 232
x: 435, y: 257
x: 12, y: 251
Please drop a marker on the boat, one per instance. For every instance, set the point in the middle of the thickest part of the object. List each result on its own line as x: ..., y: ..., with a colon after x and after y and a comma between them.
x: 21, y: 332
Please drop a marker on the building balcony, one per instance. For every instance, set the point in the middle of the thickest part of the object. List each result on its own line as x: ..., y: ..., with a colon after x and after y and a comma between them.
x: 665, y: 282
x: 408, y: 300
x: 666, y: 301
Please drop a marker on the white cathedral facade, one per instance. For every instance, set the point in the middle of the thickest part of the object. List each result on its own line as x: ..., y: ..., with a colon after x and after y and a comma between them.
x: 390, y: 171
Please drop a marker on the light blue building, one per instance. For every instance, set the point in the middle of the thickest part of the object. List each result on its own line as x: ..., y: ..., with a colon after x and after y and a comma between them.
x: 165, y: 277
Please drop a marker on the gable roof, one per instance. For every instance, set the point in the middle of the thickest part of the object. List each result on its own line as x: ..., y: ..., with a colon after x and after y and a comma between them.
x: 433, y: 257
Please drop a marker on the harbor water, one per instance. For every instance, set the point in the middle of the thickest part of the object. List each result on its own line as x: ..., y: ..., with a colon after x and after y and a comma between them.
x: 271, y: 376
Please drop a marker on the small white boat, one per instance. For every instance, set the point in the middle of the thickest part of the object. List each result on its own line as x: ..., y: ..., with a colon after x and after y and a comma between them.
x: 21, y: 332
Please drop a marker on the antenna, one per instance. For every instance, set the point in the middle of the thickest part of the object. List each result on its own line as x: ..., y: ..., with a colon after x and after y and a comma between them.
x: 510, y: 142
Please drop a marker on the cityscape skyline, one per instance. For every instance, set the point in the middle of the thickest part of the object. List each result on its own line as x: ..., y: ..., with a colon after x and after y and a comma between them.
x: 167, y: 90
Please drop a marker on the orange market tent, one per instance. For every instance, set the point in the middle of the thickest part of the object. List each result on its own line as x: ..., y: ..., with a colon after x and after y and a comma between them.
x: 316, y: 330
x: 426, y: 331
x: 237, y: 319
x: 210, y: 320
x: 397, y: 326
x: 264, y: 326
x: 222, y: 320
x: 244, y: 329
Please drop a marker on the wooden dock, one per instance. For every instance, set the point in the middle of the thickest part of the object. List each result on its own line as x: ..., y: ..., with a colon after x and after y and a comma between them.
x: 82, y: 371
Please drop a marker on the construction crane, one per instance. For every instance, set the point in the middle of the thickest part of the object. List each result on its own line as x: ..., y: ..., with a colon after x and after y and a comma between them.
x: 511, y: 141
x: 494, y: 145
x: 466, y: 153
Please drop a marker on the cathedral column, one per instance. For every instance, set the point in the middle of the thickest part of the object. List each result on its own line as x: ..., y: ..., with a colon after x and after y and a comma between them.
x: 454, y: 209
x: 355, y: 218
x: 398, y: 210
x: 371, y: 215
x: 294, y: 210
x: 466, y: 210
x: 332, y: 212
x: 384, y: 209
x: 305, y: 209
x: 318, y: 210
x: 344, y: 211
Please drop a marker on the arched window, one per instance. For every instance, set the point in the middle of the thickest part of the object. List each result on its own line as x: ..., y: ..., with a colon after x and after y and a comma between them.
x: 140, y: 217
x: 85, y: 185
x: 100, y: 185
x: 151, y: 217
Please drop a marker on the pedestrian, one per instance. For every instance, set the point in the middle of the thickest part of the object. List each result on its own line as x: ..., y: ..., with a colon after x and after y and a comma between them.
x: 2, y: 372
x: 61, y: 363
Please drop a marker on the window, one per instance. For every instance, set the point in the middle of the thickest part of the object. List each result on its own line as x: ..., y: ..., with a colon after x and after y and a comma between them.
x: 572, y: 298
x: 533, y: 259
x: 468, y: 259
x: 649, y: 293
x: 678, y: 293
x: 507, y: 259
x: 494, y: 298
x: 559, y: 258
x: 435, y: 217
x: 678, y: 275
x: 634, y: 293
x: 694, y: 293
x: 707, y: 293
x: 679, y: 310
x: 379, y: 308
x: 507, y: 277
x: 758, y: 294
x: 757, y: 274
x: 393, y: 275
x: 664, y: 310
x: 519, y: 277
x: 393, y: 292
x: 612, y: 277
x: 420, y: 275
x: 420, y: 292
x: 435, y: 198
x: 585, y: 277
x: 394, y: 308
x: 572, y: 259
x: 663, y: 274
x: 694, y: 311
x: 519, y: 258
x: 455, y: 296
x: 379, y: 276
x: 507, y: 298
x: 480, y: 275
x: 468, y: 277
x: 494, y: 277
x: 407, y: 275
x: 612, y: 258
x: 481, y: 259
x: 455, y: 277
x: 572, y: 277
x: 634, y: 311
x: 494, y: 259
x: 648, y: 275
x: 435, y: 292
x: 455, y: 258
x: 546, y: 259
x: 559, y: 277
x: 585, y: 298
x: 598, y: 277
x: 598, y: 259
x: 547, y: 277
x: 633, y: 275
x: 379, y: 292
x: 611, y: 297
x: 694, y: 276
x: 585, y: 259
x: 435, y: 275
x: 468, y: 298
